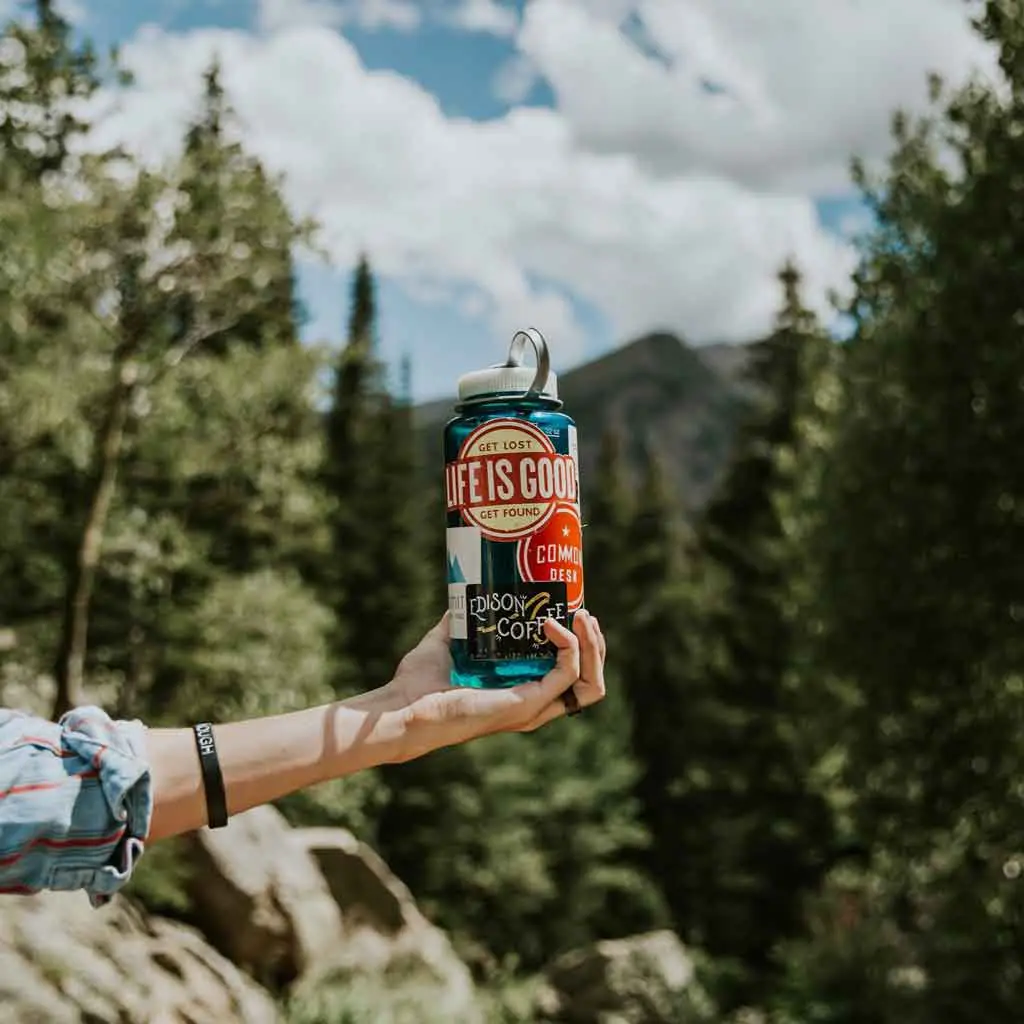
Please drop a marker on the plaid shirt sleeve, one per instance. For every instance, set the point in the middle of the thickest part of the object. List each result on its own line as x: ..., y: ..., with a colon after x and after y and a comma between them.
x: 75, y: 802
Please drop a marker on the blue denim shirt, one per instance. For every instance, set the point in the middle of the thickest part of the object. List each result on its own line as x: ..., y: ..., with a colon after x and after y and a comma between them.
x: 76, y: 802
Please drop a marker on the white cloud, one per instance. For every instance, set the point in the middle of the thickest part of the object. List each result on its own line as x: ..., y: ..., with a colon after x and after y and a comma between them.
x: 488, y: 16
x: 663, y: 204
x: 493, y: 206
x: 373, y: 15
x: 805, y: 85
x: 515, y: 79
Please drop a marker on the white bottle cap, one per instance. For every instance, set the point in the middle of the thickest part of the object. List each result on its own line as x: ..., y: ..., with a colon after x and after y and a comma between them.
x: 504, y: 380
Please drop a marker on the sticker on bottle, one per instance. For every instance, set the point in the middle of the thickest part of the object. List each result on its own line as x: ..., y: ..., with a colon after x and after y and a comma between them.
x: 554, y: 554
x: 574, y: 452
x: 507, y: 623
x: 508, y: 479
x: 465, y: 567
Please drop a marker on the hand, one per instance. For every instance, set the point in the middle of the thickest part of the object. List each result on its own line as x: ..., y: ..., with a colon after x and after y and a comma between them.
x: 441, y: 715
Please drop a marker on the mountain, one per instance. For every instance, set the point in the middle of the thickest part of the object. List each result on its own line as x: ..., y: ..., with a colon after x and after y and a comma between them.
x: 684, y: 402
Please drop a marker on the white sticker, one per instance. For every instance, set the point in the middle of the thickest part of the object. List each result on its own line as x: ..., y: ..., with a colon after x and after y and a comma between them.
x: 574, y: 451
x: 458, y: 623
x: 465, y: 565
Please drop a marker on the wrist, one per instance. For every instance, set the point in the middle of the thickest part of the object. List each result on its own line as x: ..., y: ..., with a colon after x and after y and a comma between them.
x: 382, y: 735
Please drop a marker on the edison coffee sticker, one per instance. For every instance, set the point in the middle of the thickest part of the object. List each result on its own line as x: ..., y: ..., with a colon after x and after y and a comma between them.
x: 508, y: 622
x: 508, y: 480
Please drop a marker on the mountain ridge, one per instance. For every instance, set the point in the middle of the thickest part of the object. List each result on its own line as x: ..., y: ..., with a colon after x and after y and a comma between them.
x: 681, y: 402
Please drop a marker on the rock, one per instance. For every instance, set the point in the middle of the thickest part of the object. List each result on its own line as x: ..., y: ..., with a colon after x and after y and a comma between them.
x: 261, y: 900
x: 62, y: 962
x: 385, y: 932
x: 300, y: 907
x: 639, y: 980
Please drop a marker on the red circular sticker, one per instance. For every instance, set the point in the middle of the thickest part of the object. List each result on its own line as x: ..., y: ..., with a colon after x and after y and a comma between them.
x: 508, y: 479
x: 554, y: 554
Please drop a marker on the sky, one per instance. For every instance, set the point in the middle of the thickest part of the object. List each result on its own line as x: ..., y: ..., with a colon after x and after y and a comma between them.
x: 593, y: 168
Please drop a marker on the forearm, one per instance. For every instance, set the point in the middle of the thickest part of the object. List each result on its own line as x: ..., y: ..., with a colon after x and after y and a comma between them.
x: 265, y: 759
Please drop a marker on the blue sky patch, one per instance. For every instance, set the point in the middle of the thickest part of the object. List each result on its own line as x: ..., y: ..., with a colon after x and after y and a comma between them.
x: 451, y: 334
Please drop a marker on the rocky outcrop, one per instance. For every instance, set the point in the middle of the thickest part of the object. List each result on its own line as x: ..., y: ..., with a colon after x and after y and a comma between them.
x: 320, y: 920
x: 385, y: 932
x: 62, y: 962
x: 301, y: 907
x: 261, y: 900
x: 641, y: 980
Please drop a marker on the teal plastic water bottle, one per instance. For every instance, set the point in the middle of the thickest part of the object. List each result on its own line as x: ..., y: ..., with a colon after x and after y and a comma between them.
x: 515, y: 540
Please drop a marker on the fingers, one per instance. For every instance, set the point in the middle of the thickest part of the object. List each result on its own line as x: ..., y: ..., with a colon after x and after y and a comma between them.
x: 591, y: 661
x: 601, y: 640
x: 567, y: 662
x: 589, y: 686
x: 556, y: 709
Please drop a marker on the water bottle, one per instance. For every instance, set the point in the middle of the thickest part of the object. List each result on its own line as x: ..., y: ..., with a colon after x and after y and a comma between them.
x: 514, y: 537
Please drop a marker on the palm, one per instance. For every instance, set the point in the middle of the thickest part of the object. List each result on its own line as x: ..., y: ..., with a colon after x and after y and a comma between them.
x: 427, y: 668
x: 423, y: 682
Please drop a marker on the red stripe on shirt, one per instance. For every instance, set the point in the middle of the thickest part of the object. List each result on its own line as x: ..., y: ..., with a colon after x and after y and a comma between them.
x: 39, y: 741
x: 37, y: 787
x: 83, y: 843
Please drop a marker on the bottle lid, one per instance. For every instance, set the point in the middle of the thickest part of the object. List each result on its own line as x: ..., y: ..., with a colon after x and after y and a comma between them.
x: 505, y: 380
x: 513, y: 378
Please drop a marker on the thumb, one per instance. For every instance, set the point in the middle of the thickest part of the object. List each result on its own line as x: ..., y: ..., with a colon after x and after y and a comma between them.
x: 442, y: 630
x: 566, y: 672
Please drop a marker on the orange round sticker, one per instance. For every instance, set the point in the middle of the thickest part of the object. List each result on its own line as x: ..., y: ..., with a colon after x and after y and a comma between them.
x: 554, y: 554
x: 508, y: 479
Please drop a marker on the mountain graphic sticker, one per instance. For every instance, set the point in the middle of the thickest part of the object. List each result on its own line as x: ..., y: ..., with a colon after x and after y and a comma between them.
x: 455, y: 573
x: 464, y: 555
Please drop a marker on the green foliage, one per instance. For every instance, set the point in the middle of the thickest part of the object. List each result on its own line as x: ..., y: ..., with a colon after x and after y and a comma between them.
x: 43, y: 74
x: 809, y: 759
x: 161, y: 878
x: 607, y: 517
x: 361, y: 999
x: 920, y: 576
x: 376, y: 581
x: 740, y: 832
x: 540, y: 838
x: 527, y: 846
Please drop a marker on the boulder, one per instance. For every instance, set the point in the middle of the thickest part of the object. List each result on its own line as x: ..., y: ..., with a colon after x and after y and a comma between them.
x: 62, y: 962
x: 261, y: 900
x: 385, y: 932
x: 640, y: 980
x: 300, y: 908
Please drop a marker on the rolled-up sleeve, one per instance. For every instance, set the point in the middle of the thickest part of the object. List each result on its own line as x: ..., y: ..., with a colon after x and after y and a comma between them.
x: 76, y: 802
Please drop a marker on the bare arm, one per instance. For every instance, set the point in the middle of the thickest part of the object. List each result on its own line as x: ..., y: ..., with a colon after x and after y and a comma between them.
x: 79, y: 797
x: 267, y: 758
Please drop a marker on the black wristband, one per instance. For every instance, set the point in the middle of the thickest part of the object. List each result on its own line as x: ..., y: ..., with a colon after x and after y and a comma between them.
x: 213, y: 780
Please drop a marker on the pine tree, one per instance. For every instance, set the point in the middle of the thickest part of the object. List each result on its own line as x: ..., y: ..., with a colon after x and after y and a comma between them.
x: 606, y: 538
x: 655, y: 650
x: 378, y: 568
x: 218, y: 170
x: 761, y: 834
x: 401, y: 541
x: 922, y: 535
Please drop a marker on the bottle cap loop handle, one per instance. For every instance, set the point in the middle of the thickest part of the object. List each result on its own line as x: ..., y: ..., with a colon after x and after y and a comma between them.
x: 517, y: 354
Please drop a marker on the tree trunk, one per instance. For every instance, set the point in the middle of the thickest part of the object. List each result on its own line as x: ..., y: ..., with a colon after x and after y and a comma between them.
x: 69, y: 671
